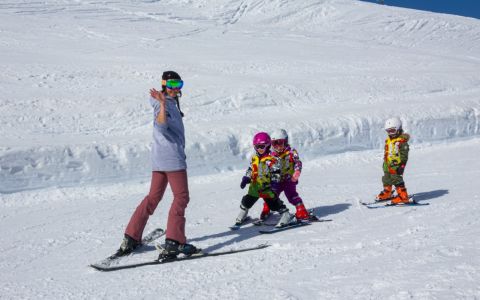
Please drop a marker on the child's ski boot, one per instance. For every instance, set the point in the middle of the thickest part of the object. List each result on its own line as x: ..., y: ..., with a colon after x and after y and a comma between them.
x: 301, y: 213
x: 286, y: 218
x: 265, y: 212
x: 242, y: 215
x: 402, y: 195
x: 386, y: 194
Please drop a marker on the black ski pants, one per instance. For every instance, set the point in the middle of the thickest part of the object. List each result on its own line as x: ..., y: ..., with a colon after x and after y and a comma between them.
x: 275, y: 203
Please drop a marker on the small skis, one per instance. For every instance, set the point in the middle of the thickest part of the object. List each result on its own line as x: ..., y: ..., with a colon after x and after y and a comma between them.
x: 377, y: 201
x: 147, y: 239
x: 247, y: 220
x: 182, y: 258
x: 407, y: 204
x: 379, y: 204
x: 294, y: 224
x: 312, y: 218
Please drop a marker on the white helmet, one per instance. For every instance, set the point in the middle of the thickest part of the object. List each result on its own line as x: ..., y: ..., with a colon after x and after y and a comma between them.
x: 279, y: 134
x: 393, y: 123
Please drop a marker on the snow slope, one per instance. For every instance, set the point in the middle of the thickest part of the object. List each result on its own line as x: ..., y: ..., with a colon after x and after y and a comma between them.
x: 76, y: 130
x: 50, y: 236
x: 76, y: 76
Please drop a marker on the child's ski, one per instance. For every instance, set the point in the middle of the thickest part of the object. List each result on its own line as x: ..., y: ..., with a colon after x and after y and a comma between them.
x: 376, y: 201
x: 414, y: 203
x: 195, y: 256
x: 311, y: 218
x: 314, y: 218
x: 247, y: 220
x: 259, y: 222
x: 286, y: 227
x: 294, y: 224
x: 263, y: 221
x: 147, y: 239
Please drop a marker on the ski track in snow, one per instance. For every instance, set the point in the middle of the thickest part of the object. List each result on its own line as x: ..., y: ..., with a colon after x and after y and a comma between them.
x: 76, y: 133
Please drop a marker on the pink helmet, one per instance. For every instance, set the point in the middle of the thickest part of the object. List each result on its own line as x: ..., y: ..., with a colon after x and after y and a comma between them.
x: 262, y: 138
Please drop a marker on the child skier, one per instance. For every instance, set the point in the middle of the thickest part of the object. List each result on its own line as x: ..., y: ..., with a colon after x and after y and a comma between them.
x: 395, y: 160
x: 262, y: 171
x: 291, y: 167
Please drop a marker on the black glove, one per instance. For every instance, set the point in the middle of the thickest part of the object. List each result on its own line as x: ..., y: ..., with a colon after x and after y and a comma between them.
x: 245, y: 180
x: 400, y: 169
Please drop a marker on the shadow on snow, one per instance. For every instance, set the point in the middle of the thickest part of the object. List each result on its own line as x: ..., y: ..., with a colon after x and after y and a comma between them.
x: 247, y: 232
x: 323, y: 211
x: 242, y: 234
x: 429, y: 195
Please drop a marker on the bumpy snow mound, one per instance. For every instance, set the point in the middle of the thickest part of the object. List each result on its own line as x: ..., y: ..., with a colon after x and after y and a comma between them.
x: 226, y: 150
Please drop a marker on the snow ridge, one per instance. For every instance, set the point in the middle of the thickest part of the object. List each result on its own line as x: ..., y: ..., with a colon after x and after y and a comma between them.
x: 68, y: 165
x: 74, y: 109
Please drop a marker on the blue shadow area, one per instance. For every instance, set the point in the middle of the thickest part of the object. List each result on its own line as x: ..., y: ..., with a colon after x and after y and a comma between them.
x: 429, y: 195
x: 466, y: 8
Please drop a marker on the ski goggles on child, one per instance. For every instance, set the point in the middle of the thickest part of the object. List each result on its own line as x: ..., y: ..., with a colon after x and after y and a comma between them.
x: 173, y: 84
x: 260, y: 146
x: 278, y: 143
x: 391, y: 130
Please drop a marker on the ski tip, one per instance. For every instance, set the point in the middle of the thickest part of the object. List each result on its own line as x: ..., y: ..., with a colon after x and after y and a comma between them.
x: 314, y: 218
x: 98, y: 268
x: 418, y: 203
x: 404, y: 204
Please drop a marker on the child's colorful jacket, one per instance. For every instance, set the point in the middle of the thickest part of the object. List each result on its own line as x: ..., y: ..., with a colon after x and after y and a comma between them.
x: 263, y: 170
x: 288, y: 162
x: 396, y: 153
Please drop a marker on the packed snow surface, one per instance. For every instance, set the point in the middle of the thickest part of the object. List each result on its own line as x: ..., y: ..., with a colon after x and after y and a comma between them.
x: 76, y: 129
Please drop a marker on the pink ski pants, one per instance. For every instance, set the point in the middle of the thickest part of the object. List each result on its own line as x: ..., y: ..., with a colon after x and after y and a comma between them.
x: 176, y: 217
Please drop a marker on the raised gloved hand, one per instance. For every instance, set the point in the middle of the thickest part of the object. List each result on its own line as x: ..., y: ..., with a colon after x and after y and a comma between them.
x: 245, y: 180
x: 295, y: 175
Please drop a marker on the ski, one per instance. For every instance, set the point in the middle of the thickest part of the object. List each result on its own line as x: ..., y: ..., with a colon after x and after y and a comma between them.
x: 261, y: 222
x: 247, y: 220
x: 286, y: 227
x: 314, y: 218
x: 414, y: 203
x: 408, y: 204
x: 147, y: 239
x: 378, y: 201
x: 311, y: 218
x: 179, y: 259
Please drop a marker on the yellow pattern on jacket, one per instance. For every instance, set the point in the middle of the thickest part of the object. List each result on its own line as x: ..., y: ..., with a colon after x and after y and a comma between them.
x: 261, y: 169
x: 396, y: 153
x: 288, y: 162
